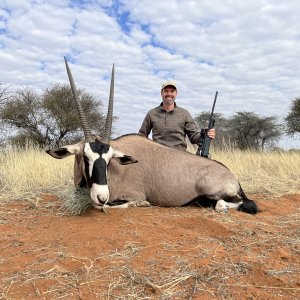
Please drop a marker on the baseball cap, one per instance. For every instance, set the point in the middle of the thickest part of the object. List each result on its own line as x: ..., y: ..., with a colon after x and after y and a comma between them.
x: 167, y: 83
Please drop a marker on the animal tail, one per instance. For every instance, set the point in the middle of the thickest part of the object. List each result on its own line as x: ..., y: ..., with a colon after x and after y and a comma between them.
x: 247, y: 206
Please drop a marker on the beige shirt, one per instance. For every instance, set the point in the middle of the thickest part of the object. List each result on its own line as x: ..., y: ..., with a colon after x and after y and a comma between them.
x: 169, y: 128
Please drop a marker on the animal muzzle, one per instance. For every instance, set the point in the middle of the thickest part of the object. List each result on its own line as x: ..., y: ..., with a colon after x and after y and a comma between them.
x: 99, y: 194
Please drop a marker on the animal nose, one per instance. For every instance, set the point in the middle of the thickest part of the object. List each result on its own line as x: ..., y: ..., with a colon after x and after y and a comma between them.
x: 101, y: 200
x: 99, y: 194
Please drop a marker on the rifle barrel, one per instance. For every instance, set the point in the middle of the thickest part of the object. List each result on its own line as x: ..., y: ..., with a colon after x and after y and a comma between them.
x: 210, y: 125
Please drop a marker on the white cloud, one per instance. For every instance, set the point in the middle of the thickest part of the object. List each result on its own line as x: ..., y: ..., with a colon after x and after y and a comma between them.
x: 248, y: 51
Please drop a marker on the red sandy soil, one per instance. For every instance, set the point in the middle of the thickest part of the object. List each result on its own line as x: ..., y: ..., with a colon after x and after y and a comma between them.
x: 150, y: 253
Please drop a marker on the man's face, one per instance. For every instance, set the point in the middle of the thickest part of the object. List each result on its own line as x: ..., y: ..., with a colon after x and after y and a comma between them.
x: 168, y: 95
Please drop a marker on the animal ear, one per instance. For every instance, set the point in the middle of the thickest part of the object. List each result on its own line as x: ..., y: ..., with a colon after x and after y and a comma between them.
x: 59, y: 153
x: 64, y: 152
x: 124, y: 159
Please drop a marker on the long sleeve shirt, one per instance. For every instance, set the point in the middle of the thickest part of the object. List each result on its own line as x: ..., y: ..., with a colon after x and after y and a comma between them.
x: 169, y: 128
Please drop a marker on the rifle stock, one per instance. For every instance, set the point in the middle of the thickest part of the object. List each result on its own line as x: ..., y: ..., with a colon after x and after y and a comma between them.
x: 203, y: 147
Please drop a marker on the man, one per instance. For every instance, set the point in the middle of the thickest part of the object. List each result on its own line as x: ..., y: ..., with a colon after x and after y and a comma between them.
x: 170, y: 123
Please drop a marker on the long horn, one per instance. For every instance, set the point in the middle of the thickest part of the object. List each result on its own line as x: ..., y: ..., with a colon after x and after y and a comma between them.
x: 84, y: 123
x: 109, y: 117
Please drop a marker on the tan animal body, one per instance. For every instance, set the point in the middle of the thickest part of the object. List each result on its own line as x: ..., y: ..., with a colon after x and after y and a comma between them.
x: 140, y: 172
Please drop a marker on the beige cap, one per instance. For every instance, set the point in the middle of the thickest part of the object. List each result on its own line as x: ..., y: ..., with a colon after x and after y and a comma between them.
x: 167, y: 83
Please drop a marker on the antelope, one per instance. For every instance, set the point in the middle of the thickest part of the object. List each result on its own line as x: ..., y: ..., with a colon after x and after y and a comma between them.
x: 136, y: 171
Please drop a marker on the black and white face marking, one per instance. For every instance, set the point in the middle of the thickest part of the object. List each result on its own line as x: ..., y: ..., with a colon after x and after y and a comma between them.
x: 97, y: 156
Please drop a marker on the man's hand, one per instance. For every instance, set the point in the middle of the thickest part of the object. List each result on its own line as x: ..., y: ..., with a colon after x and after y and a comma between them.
x: 212, y: 133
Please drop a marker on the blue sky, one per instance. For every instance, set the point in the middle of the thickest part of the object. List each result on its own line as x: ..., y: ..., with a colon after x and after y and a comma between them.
x: 247, y: 50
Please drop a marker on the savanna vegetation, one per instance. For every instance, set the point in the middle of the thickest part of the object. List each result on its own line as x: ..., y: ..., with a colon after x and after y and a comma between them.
x: 50, y: 119
x: 47, y: 119
x: 32, y: 122
x: 29, y: 172
x: 293, y: 117
x: 244, y: 130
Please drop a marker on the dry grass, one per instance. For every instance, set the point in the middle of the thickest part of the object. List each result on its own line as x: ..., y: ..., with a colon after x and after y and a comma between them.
x: 27, y: 173
x: 269, y: 172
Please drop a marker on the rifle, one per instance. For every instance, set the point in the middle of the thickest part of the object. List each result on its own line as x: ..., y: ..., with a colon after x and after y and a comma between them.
x: 203, y: 146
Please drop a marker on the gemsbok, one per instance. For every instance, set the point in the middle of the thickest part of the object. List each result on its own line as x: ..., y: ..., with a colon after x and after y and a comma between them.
x: 136, y: 171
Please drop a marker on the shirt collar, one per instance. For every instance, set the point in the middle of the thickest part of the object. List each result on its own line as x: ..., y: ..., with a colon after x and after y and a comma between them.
x: 161, y: 106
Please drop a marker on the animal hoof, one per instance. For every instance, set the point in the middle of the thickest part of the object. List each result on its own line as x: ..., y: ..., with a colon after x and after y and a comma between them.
x: 221, y: 206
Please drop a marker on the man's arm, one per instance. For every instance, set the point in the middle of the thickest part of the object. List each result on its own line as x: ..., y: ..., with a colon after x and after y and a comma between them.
x: 146, y: 126
x: 193, y: 133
